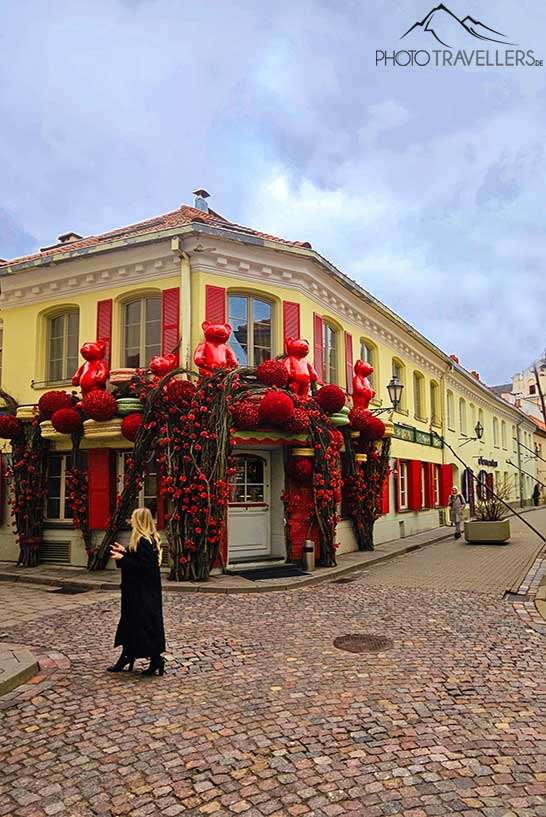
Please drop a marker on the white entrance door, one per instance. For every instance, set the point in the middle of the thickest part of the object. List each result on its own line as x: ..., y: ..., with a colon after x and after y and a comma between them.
x: 249, y: 535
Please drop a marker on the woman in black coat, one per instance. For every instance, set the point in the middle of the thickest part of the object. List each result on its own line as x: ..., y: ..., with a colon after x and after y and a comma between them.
x: 140, y: 629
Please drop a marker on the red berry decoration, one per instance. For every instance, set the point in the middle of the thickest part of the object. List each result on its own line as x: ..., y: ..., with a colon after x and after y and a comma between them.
x: 130, y: 426
x: 301, y: 469
x: 337, y: 439
x: 180, y: 392
x: 272, y: 373
x: 298, y: 423
x: 370, y: 427
x: 52, y: 401
x: 246, y: 415
x: 330, y: 399
x: 276, y: 408
x: 10, y: 427
x: 99, y: 405
x: 66, y: 421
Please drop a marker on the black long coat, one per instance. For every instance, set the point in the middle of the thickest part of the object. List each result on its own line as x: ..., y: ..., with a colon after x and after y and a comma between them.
x: 140, y: 629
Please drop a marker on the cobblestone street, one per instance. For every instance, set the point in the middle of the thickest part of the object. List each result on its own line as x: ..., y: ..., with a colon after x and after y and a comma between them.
x: 260, y: 714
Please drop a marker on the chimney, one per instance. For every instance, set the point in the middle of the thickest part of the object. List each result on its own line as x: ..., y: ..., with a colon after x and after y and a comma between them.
x: 201, y: 197
x: 455, y: 358
x: 475, y: 374
x: 66, y: 238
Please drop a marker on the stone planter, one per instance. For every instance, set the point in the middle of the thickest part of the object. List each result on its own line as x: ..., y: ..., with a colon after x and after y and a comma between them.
x: 487, y: 532
x: 120, y: 376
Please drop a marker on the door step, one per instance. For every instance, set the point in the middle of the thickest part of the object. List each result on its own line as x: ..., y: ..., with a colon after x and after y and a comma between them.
x: 248, y: 562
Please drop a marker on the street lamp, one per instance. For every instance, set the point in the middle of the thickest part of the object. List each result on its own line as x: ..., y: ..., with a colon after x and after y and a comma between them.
x: 395, y: 388
x: 478, y: 430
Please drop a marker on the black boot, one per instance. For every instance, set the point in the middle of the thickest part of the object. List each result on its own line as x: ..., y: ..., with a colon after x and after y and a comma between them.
x: 121, y: 663
x: 157, y: 664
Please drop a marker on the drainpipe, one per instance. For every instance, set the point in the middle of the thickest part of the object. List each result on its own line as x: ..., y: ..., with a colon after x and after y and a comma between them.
x: 185, y: 301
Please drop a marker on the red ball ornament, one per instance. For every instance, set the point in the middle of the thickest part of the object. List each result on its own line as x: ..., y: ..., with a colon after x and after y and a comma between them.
x: 130, y: 426
x: 370, y: 427
x: 330, y: 398
x: 66, y: 421
x: 272, y: 373
x: 301, y: 469
x: 180, y: 392
x: 10, y: 427
x: 298, y: 423
x: 276, y: 408
x: 246, y: 415
x: 52, y: 401
x: 358, y: 418
x: 99, y: 405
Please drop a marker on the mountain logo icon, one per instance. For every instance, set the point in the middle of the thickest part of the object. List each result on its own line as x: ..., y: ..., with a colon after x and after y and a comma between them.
x: 445, y: 27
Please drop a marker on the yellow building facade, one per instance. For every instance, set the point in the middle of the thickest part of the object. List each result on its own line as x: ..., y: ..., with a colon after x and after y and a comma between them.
x: 192, y: 265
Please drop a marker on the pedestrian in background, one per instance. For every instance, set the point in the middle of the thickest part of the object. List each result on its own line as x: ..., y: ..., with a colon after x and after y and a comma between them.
x: 456, y: 508
x: 140, y: 630
x: 536, y: 494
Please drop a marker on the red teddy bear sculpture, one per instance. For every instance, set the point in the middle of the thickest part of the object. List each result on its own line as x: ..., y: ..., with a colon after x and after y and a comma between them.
x: 214, y: 353
x: 162, y: 365
x: 362, y: 391
x: 92, y: 374
x: 300, y: 372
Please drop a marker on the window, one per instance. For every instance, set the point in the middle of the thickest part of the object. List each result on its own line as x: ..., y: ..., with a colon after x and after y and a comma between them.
x: 329, y: 341
x: 58, y: 507
x: 435, y: 403
x: 503, y: 434
x: 436, y: 485
x: 399, y: 371
x: 423, y: 485
x: 403, y: 486
x: 62, y: 345
x: 248, y: 483
x: 418, y: 395
x: 514, y: 439
x: 147, y: 496
x: 462, y: 416
x: 497, y: 480
x: 472, y: 418
x: 532, y: 389
x: 251, y: 320
x: 450, y: 411
x: 495, y: 432
x: 368, y: 353
x: 141, y: 331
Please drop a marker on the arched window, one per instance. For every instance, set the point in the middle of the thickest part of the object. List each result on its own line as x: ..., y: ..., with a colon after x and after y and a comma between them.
x: 472, y: 418
x: 141, y: 331
x: 419, y: 395
x: 503, y: 434
x: 62, y: 345
x: 368, y: 352
x: 514, y: 439
x: 495, y: 432
x: 399, y: 371
x: 330, y: 347
x: 450, y: 411
x: 250, y: 319
x: 435, y: 417
x: 462, y: 416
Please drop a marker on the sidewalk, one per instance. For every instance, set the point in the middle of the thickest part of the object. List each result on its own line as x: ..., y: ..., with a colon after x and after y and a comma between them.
x: 78, y: 579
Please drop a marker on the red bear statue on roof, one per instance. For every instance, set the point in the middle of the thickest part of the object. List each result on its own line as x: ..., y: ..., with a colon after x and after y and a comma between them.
x: 92, y: 374
x: 362, y: 391
x: 300, y: 372
x: 214, y: 352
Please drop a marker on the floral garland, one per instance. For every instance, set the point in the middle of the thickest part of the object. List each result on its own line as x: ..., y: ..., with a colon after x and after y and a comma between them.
x: 364, y: 484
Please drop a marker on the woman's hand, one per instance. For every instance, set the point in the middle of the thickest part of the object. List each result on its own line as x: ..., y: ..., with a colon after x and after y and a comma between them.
x: 117, y: 552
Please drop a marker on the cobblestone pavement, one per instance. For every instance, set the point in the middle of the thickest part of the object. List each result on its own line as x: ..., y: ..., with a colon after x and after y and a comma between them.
x: 259, y: 713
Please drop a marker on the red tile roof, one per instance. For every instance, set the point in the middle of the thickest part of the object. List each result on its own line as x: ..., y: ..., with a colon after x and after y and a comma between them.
x: 178, y: 218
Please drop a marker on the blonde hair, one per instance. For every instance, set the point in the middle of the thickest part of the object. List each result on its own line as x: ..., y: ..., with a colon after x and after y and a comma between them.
x: 143, y: 524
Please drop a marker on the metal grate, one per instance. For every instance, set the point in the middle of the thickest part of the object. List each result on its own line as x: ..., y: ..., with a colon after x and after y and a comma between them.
x: 55, y: 552
x: 363, y: 643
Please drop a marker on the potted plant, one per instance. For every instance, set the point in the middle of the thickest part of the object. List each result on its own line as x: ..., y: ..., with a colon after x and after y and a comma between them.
x: 490, y: 524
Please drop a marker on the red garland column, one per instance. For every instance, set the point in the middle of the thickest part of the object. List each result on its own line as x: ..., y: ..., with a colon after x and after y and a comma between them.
x: 101, y: 487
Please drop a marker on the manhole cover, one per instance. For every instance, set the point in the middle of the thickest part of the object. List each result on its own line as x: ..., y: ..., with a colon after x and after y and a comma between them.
x: 363, y: 643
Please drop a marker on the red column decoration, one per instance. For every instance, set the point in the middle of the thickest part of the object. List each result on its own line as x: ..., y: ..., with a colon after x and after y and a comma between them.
x: 170, y: 321
x: 100, y: 487
x: 104, y: 326
x: 318, y: 346
x: 349, y: 361
x: 215, y: 304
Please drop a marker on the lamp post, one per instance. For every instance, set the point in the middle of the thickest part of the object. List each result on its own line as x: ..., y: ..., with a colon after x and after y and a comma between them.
x: 395, y: 388
x: 478, y: 430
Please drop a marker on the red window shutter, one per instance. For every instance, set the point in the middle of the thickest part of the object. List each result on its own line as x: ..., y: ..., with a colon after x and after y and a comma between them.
x: 446, y: 483
x: 291, y: 320
x: 429, y: 485
x: 385, y: 495
x: 397, y: 486
x: 104, y: 326
x: 215, y: 306
x: 318, y: 346
x: 170, y: 321
x: 414, y: 485
x: 349, y: 361
x: 100, y: 487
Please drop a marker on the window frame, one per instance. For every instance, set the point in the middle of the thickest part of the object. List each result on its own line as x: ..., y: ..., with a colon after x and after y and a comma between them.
x: 401, y: 367
x: 403, y: 504
x: 419, y: 396
x: 496, y: 442
x: 435, y: 416
x: 68, y: 369
x: 372, y: 359
x: 463, y: 427
x: 436, y: 486
x: 144, y: 357
x: 450, y: 401
x: 329, y: 327
x: 63, y: 517
x: 250, y: 297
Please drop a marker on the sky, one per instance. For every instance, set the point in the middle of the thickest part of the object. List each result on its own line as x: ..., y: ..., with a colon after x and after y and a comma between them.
x: 424, y: 184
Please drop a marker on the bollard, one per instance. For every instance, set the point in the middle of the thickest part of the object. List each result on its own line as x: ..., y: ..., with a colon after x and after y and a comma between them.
x: 308, y: 556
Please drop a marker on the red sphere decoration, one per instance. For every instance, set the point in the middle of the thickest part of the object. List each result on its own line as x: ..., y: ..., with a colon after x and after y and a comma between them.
x: 330, y: 399
x: 298, y: 423
x: 66, y: 421
x: 99, y: 405
x: 276, y: 408
x: 10, y: 427
x: 52, y: 401
x: 370, y: 427
x: 130, y: 426
x: 358, y: 418
x: 180, y: 392
x: 246, y: 415
x: 272, y: 373
x: 301, y: 469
